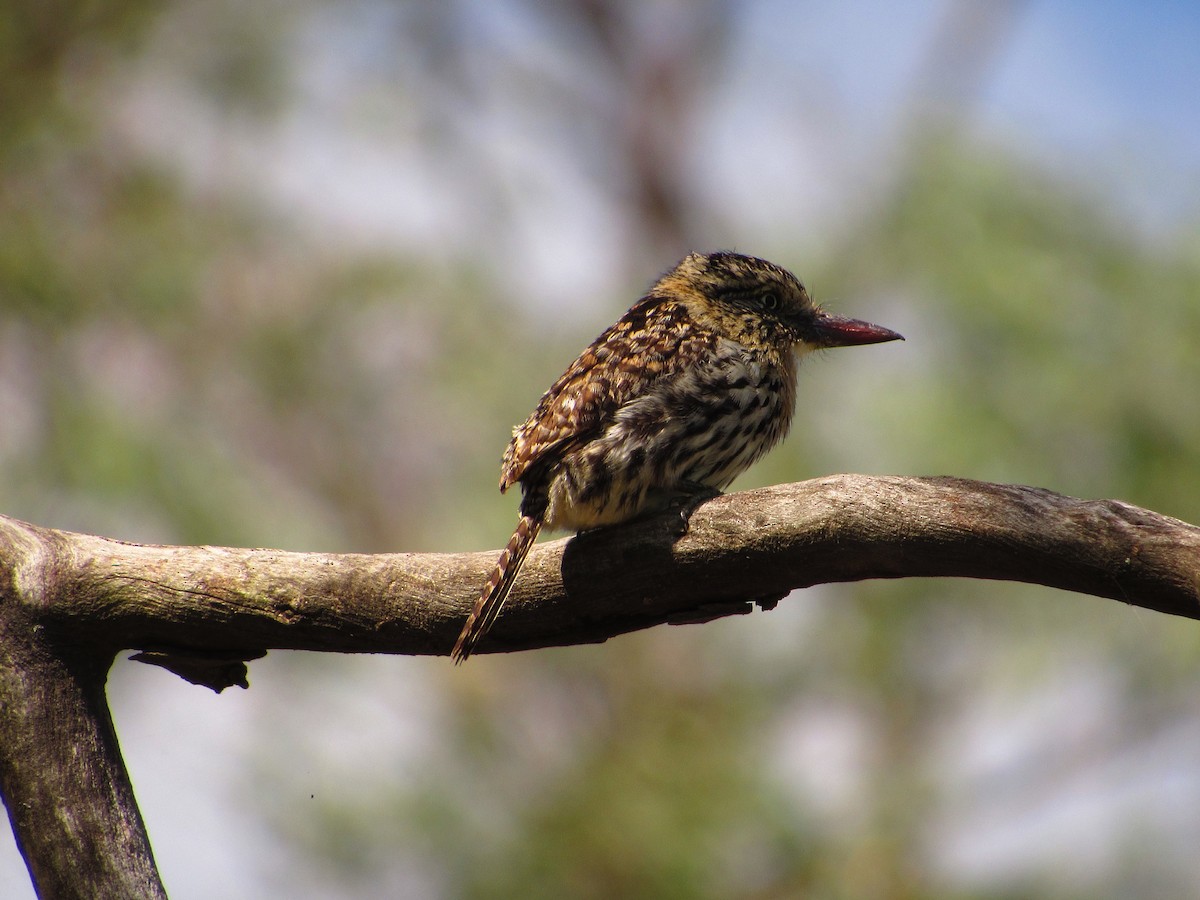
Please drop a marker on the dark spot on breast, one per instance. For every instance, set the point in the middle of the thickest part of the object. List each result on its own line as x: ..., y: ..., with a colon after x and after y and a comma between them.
x: 728, y: 441
x: 727, y: 406
x: 598, y: 482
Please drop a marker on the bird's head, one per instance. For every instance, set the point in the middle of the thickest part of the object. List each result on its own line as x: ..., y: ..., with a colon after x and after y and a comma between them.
x: 757, y: 302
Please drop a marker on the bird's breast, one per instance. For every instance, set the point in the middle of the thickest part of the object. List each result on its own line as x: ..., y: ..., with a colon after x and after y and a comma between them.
x: 704, y: 426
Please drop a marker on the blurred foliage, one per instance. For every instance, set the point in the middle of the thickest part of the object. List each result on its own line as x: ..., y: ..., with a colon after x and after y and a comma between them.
x: 46, y: 47
x: 181, y: 362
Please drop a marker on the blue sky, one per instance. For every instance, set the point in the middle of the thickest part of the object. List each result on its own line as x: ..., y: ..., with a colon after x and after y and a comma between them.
x: 1108, y: 71
x: 1077, y: 84
x: 799, y: 133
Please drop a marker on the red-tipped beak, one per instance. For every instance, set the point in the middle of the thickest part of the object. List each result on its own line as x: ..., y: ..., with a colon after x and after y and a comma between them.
x: 838, y: 331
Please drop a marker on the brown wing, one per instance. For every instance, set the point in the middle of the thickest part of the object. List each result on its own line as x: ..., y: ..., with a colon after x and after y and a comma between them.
x: 653, y: 339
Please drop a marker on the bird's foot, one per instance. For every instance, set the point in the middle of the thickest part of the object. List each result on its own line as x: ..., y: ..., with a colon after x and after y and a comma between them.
x: 685, y: 499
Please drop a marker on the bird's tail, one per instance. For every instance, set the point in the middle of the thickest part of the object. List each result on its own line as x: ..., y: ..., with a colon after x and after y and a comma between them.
x: 495, y: 591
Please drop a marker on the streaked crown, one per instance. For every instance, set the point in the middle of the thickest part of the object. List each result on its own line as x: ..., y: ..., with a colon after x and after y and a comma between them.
x: 746, y: 298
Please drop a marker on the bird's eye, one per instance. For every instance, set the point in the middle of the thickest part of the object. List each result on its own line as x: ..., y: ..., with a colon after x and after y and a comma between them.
x: 770, y: 302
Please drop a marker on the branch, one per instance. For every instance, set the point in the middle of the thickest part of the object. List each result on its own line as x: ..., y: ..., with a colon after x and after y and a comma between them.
x: 237, y: 603
x: 69, y: 602
x: 68, y: 794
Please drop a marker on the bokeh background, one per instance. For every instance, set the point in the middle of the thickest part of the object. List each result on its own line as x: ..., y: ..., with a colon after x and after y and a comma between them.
x: 286, y: 273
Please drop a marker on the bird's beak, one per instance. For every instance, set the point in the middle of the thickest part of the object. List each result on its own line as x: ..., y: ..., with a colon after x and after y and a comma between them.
x: 838, y: 331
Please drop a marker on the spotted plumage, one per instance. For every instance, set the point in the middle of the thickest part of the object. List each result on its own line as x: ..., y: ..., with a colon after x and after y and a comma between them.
x: 695, y: 382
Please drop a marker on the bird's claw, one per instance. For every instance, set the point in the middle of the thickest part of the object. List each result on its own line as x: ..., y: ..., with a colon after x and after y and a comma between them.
x: 686, y: 499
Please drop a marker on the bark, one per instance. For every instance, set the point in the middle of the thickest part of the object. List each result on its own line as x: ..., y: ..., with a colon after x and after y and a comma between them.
x: 64, y: 783
x: 69, y: 602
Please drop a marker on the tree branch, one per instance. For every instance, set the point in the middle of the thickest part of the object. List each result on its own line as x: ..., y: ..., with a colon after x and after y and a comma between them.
x: 236, y: 603
x: 69, y: 602
x: 64, y: 783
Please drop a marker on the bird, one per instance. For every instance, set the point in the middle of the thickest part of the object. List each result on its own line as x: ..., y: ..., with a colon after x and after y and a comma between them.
x: 693, y: 384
